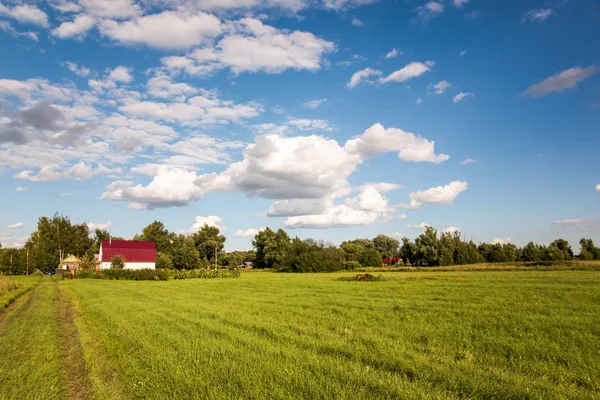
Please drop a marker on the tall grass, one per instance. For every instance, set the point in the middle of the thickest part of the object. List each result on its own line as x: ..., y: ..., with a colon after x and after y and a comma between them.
x: 456, y: 334
x: 6, y: 285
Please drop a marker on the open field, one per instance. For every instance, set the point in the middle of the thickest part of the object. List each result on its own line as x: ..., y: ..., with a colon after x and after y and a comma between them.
x: 457, y: 334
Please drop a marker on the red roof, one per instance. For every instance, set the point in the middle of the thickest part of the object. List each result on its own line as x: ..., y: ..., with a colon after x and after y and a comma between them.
x: 130, y: 250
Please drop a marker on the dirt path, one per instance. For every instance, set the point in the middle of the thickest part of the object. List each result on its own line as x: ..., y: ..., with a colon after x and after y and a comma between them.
x: 77, y: 383
x: 41, y: 355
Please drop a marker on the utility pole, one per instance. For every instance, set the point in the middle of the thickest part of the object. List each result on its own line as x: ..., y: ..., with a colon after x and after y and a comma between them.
x: 216, y: 255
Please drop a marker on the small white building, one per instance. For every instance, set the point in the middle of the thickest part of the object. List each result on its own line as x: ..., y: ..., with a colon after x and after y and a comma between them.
x: 137, y: 255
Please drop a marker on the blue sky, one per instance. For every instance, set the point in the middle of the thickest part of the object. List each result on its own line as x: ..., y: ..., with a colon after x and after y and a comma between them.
x: 333, y: 119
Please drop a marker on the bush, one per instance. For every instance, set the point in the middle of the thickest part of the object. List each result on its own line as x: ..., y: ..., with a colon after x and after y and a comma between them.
x: 6, y: 285
x: 117, y: 262
x: 207, y: 273
x: 370, y: 258
x: 351, y: 265
x: 127, y: 274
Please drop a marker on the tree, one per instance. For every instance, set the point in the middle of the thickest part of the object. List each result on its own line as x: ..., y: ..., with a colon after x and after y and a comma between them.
x: 588, y: 250
x: 408, y: 251
x: 370, y: 258
x: 87, y: 263
x: 565, y: 247
x: 386, y: 246
x: 270, y: 247
x: 446, y: 247
x: 312, y: 256
x: 208, y: 242
x: 427, y: 247
x: 163, y: 261
x: 117, y: 262
x: 55, y: 238
x: 352, y: 251
x: 185, y: 255
x: 531, y: 252
x: 157, y: 233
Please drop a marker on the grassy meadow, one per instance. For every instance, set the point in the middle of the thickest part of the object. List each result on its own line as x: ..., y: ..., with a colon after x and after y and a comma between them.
x: 414, y: 335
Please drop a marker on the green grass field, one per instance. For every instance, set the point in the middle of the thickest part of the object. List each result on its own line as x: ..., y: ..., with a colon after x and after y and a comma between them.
x: 414, y: 335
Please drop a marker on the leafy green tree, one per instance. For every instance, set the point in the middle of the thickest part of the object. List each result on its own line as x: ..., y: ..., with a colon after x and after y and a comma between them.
x: 185, y: 255
x: 408, y: 251
x: 352, y: 251
x: 87, y: 262
x: 312, y: 256
x: 163, y: 261
x: 270, y: 247
x: 56, y: 237
x: 427, y: 247
x: 553, y: 253
x: 565, y: 247
x: 157, y: 233
x: 209, y: 242
x: 466, y: 253
x: 588, y: 250
x: 370, y: 258
x: 447, y: 246
x: 531, y: 252
x: 387, y: 247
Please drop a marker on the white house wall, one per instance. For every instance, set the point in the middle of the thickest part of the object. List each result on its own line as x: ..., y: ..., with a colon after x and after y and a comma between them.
x: 132, y: 265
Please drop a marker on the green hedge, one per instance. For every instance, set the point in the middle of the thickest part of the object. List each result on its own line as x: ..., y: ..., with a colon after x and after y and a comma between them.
x: 207, y: 273
x: 127, y: 274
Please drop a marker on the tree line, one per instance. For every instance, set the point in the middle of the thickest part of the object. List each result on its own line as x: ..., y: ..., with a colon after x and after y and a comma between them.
x: 57, y: 236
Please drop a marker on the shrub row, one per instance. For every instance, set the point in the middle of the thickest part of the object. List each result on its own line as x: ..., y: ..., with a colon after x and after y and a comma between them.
x: 207, y: 273
x: 127, y: 274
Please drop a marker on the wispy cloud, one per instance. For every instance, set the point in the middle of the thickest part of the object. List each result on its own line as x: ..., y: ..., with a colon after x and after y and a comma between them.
x: 561, y: 81
x: 468, y: 161
x: 312, y: 104
x: 462, y: 96
x: 539, y: 15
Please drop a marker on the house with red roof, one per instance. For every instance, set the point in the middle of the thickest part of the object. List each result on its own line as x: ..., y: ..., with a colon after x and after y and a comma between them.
x: 137, y: 255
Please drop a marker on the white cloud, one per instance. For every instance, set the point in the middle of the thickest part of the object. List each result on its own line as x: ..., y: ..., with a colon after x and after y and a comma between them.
x: 501, y: 240
x: 357, y: 22
x: 422, y: 226
x: 398, y: 234
x: 462, y: 96
x: 358, y: 76
x: 118, y: 9
x: 162, y: 86
x: 459, y: 3
x: 211, y: 220
x: 167, y: 30
x: 598, y: 188
x: 65, y: 6
x: 450, y: 229
x: 65, y: 194
x: 137, y: 206
x: 102, y: 226
x: 436, y: 195
x: 258, y: 47
x: 78, y: 70
x: 579, y: 223
x: 7, y: 27
x: 121, y: 74
x: 313, y: 104
x: 378, y: 140
x: 21, y: 188
x: 427, y: 12
x: 392, y: 53
x: 334, y: 217
x: 304, y: 173
x: 441, y: 87
x: 440, y: 194
x: 18, y: 225
x: 539, y: 15
x: 412, y: 70
x: 80, y: 171
x: 561, y: 81
x: 251, y: 232
x: 25, y: 13
x: 9, y: 240
x: 311, y: 124
x: 76, y: 28
x: 468, y: 161
x: 463, y: 52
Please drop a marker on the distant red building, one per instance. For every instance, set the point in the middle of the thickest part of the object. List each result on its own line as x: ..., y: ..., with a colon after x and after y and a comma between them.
x: 137, y: 255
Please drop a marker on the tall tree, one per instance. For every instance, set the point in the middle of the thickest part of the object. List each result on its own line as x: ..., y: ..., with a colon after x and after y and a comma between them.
x: 157, y: 233
x: 185, y: 255
x: 209, y: 242
x: 270, y: 247
x: 387, y: 247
